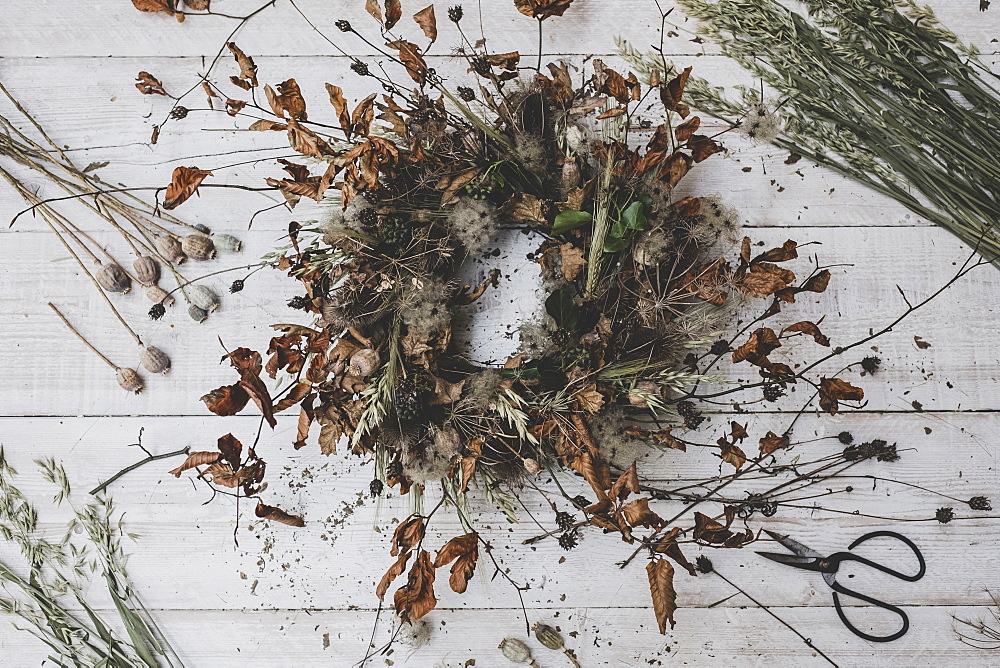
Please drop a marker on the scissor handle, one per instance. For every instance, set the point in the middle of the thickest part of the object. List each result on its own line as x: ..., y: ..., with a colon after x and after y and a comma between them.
x: 837, y: 587
x: 848, y: 556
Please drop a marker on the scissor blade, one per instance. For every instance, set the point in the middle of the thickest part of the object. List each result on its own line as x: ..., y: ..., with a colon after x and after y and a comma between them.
x: 807, y: 563
x: 793, y: 545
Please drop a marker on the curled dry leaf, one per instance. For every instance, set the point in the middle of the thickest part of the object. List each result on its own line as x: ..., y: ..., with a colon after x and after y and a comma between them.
x: 661, y: 589
x: 627, y: 483
x: 248, y: 70
x: 772, y: 442
x: 464, y: 550
x: 183, y: 183
x: 278, y: 515
x: 394, y: 571
x: 408, y: 534
x: 427, y: 21
x: 708, y: 530
x: 165, y: 6
x: 834, y: 390
x: 732, y: 454
x: 393, y: 12
x: 673, y: 91
x: 149, y: 85
x: 760, y: 344
x: 288, y: 101
x: 668, y: 545
x: 638, y: 514
x: 226, y: 400
x: 416, y: 598
x: 542, y: 9
x: 810, y: 329
x: 409, y: 55
x: 195, y: 459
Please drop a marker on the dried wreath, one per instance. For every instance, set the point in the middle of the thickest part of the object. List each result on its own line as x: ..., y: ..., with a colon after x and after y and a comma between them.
x: 637, y: 294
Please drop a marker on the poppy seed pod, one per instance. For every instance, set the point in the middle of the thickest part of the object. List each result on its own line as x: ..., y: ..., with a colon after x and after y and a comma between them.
x: 170, y: 248
x: 516, y: 651
x: 129, y: 380
x: 154, y: 360
x: 203, y: 228
x: 113, y: 278
x: 198, y: 247
x: 531, y: 466
x: 203, y: 298
x: 158, y: 295
x: 197, y: 313
x: 227, y: 243
x: 147, y: 270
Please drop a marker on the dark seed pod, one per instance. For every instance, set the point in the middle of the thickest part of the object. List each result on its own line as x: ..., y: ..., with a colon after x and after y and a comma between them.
x: 203, y: 228
x: 114, y: 279
x: 170, y: 248
x: 198, y: 247
x: 158, y: 295
x: 154, y: 360
x: 147, y: 270
x: 227, y: 243
x: 197, y: 313
x: 129, y: 380
x: 203, y: 298
x: 156, y: 311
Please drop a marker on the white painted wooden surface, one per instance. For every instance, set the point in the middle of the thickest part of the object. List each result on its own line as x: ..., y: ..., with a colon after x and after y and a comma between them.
x: 304, y: 597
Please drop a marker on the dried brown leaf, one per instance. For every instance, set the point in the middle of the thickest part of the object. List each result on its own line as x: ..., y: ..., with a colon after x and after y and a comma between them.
x: 226, y: 400
x: 248, y: 71
x: 278, y: 515
x: 465, y: 551
x: 428, y: 23
x: 834, y: 390
x: 195, y: 459
x: 661, y: 588
x: 183, y: 183
x: 394, y: 571
x: 149, y: 85
x: 416, y: 598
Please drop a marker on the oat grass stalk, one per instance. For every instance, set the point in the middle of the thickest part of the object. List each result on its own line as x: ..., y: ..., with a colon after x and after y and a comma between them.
x: 876, y: 90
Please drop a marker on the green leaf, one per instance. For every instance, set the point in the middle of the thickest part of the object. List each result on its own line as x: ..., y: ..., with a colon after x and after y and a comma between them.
x: 563, y: 310
x: 570, y: 219
x: 633, y: 216
x: 612, y: 245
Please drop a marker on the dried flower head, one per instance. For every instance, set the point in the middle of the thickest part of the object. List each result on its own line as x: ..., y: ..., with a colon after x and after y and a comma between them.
x: 344, y: 26
x: 360, y: 68
x: 466, y: 93
x: 944, y: 515
x: 147, y: 270
x: 871, y: 364
x: 703, y: 564
x: 236, y: 286
x: 473, y: 222
x: 760, y: 125
x: 375, y: 487
x: 113, y: 278
x: 198, y: 247
x: 515, y: 650
x: 845, y: 437
x: 202, y: 297
x: 565, y: 521
x: 154, y: 360
x: 980, y: 503
x: 568, y: 540
x: 129, y: 380
x: 455, y: 13
x: 179, y: 112
x: 300, y: 303
x: 157, y: 311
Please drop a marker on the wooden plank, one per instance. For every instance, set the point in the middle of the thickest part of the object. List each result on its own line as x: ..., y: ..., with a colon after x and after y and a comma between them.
x: 105, y: 113
x: 958, y: 371
x: 107, y: 28
x: 335, y: 561
x: 598, y: 636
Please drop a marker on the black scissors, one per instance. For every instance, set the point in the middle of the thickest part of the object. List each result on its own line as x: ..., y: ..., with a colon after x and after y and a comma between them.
x: 810, y: 560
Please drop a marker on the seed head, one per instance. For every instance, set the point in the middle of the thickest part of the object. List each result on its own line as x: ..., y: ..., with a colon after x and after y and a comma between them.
x: 515, y: 650
x: 376, y: 487
x: 114, y: 279
x: 845, y: 437
x: 197, y: 313
x: 299, y: 302
x: 147, y: 270
x: 360, y: 68
x: 455, y: 13
x: 129, y: 380
x: 466, y: 93
x: 157, y: 311
x: 548, y: 636
x: 568, y: 540
x: 227, y: 243
x: 565, y: 521
x: 703, y: 564
x: 158, y: 295
x: 980, y: 503
x: 344, y: 26
x: 170, y: 248
x: 179, y: 112
x: 203, y: 298
x: 581, y: 501
x: 720, y: 347
x: 199, y: 247
x: 154, y: 360
x: 871, y: 364
x: 944, y: 515
x: 201, y: 227
x: 237, y: 286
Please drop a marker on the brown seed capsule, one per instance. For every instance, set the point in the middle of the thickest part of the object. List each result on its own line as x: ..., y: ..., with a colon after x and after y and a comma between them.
x: 158, y: 295
x: 203, y: 298
x: 531, y: 466
x: 170, y: 248
x: 154, y: 360
x: 129, y: 380
x: 147, y: 270
x: 113, y: 278
x: 198, y: 247
x: 227, y: 243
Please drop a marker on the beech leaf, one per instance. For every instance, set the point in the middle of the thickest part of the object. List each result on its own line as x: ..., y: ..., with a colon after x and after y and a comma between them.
x: 195, y: 459
x: 278, y: 515
x: 427, y: 21
x: 149, y: 85
x: 661, y: 588
x: 183, y: 183
x: 464, y: 550
x: 416, y: 598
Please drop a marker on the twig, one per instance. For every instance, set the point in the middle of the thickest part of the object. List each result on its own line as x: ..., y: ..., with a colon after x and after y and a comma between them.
x: 80, y: 336
x: 151, y: 458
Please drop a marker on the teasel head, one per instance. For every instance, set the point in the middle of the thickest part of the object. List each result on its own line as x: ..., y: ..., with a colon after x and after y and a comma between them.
x: 113, y: 278
x: 154, y: 360
x: 203, y: 298
x: 198, y: 247
x: 147, y: 270
x: 227, y: 243
x: 170, y: 249
x: 158, y: 295
x: 129, y: 379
